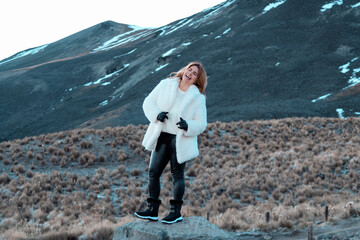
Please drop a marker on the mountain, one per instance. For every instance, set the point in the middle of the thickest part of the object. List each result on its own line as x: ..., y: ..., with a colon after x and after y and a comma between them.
x: 265, y: 59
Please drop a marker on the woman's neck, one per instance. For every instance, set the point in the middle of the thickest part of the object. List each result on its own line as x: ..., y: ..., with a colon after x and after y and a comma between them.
x: 183, y: 86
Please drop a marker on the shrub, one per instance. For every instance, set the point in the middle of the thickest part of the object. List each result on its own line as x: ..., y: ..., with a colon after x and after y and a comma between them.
x: 51, y: 149
x: 135, y: 172
x: 30, y: 154
x: 102, y: 233
x: 87, y: 158
x: 63, y: 162
x: 29, y: 174
x: 121, y: 169
x: 53, y: 160
x: 121, y: 156
x: 40, y: 216
x: 68, y: 140
x: 38, y: 157
x: 133, y: 144
x: 101, y: 158
x: 75, y: 138
x: 74, y: 154
x: 20, y: 168
x: 4, y: 178
x: 86, y: 145
x: 60, y: 236
x: 191, y: 172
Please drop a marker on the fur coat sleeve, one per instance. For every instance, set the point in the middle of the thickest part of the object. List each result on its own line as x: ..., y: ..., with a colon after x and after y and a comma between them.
x: 150, y: 107
x: 198, y: 124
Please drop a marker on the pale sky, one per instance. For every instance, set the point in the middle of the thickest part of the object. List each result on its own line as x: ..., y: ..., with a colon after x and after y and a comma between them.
x: 31, y: 23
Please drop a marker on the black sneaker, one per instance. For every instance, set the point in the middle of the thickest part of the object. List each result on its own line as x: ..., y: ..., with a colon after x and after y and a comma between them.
x: 174, y: 215
x: 151, y: 212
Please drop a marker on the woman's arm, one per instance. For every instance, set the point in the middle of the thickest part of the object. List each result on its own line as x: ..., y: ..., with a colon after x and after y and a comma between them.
x: 199, y: 123
x: 149, y: 106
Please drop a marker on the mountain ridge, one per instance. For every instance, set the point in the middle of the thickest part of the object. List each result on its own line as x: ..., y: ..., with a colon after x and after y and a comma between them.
x: 265, y: 59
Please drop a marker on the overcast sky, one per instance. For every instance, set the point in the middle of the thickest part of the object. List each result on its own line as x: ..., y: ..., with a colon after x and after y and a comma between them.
x: 31, y: 23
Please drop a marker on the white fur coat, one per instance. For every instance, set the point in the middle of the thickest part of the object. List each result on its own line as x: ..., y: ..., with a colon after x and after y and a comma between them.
x: 192, y: 110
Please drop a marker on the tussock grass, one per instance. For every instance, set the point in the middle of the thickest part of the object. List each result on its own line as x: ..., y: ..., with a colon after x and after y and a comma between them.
x: 69, y: 182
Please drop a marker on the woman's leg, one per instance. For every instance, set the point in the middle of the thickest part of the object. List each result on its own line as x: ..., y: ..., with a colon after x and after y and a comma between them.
x: 177, y: 171
x: 159, y: 160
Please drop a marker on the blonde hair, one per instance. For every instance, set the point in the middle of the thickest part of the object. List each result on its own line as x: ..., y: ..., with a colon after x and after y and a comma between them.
x: 201, y: 79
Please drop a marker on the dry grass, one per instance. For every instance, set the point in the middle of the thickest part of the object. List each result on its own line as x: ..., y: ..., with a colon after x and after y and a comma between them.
x: 71, y: 181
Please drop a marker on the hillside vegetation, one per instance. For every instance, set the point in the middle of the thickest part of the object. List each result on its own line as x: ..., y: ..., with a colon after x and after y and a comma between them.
x: 87, y: 181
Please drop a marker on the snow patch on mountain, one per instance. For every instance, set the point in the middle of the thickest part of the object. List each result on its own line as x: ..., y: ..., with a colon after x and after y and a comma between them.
x: 330, y: 5
x: 168, y: 53
x: 136, y: 28
x: 126, y: 53
x: 163, y: 29
x: 225, y: 32
x: 161, y: 67
x: 340, y: 112
x: 356, y: 5
x: 106, y: 77
x: 105, y: 83
x: 354, y: 79
x: 273, y: 5
x: 166, y: 30
x: 213, y: 11
x: 179, y: 25
x: 130, y: 36
x: 321, y: 98
x: 104, y: 103
x: 26, y: 53
x: 70, y: 89
x: 345, y: 68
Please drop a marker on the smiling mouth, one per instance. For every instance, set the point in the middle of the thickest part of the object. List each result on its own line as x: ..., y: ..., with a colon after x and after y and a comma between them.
x: 187, y: 77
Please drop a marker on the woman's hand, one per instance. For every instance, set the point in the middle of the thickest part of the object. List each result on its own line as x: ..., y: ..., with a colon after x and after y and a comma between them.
x: 161, y: 117
x: 182, y: 124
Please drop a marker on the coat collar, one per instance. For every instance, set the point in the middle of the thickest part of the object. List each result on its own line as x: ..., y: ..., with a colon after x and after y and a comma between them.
x: 191, y: 90
x: 190, y: 95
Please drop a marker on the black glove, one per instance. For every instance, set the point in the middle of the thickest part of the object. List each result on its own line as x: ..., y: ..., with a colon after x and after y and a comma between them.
x: 161, y: 117
x: 182, y: 124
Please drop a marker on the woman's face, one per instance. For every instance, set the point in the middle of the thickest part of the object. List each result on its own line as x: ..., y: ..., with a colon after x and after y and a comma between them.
x: 190, y: 74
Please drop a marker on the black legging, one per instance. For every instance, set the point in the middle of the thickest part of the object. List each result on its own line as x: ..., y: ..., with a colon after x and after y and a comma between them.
x: 166, y: 151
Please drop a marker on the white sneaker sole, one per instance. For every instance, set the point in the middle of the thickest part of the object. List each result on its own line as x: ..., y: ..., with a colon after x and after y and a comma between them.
x: 148, y: 218
x: 174, y: 221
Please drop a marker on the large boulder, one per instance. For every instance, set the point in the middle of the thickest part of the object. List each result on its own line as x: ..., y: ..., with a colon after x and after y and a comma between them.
x: 190, y: 228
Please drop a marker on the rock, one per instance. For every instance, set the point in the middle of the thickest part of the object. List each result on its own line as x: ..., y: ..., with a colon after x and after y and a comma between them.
x: 252, y: 235
x: 190, y: 228
x: 83, y: 237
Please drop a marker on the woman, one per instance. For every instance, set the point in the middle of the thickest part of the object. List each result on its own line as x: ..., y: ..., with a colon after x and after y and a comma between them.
x: 176, y: 109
